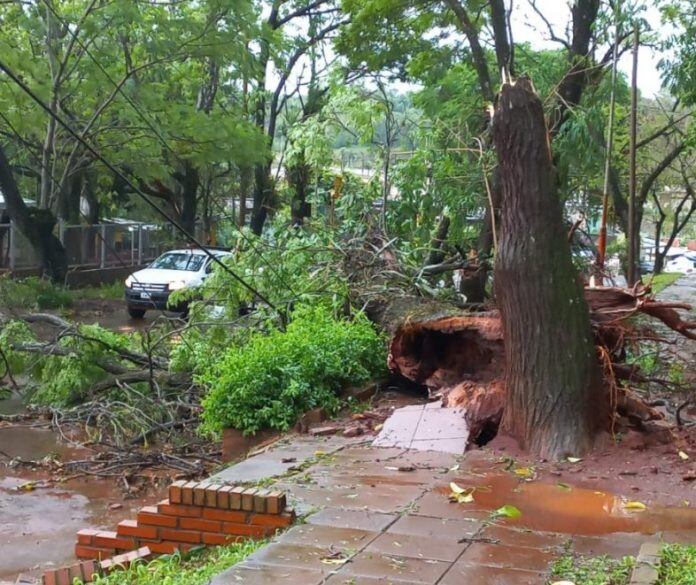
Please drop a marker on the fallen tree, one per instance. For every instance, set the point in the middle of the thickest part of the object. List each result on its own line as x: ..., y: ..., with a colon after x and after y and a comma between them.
x: 460, y: 355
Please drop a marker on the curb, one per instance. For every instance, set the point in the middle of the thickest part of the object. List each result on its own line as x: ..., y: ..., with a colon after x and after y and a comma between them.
x: 645, y: 571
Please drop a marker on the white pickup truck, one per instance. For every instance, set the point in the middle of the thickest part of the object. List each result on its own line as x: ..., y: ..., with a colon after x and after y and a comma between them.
x: 149, y: 288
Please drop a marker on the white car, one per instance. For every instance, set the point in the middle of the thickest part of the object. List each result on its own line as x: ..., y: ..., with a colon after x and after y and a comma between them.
x: 149, y: 288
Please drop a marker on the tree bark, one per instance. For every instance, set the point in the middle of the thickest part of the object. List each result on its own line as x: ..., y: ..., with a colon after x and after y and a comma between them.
x: 35, y: 224
x: 554, y: 404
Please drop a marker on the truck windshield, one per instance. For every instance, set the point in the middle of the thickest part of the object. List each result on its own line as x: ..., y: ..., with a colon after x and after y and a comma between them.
x: 179, y: 261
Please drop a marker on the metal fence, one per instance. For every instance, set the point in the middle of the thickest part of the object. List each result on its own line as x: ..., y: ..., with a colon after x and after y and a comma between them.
x: 89, y: 246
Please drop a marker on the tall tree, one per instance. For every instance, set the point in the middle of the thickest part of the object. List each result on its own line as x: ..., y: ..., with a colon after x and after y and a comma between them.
x: 554, y: 394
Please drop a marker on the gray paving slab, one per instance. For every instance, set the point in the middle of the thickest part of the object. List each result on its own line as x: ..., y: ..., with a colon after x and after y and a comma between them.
x: 279, y: 458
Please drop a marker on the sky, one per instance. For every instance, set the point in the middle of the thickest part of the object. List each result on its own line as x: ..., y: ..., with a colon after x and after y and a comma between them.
x: 527, y: 26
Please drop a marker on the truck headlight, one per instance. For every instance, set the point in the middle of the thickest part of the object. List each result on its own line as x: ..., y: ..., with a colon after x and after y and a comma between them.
x: 176, y: 285
x: 129, y: 281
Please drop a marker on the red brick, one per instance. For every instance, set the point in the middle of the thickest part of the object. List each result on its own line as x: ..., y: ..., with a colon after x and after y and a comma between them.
x: 275, y: 503
x: 236, y: 498
x: 248, y: 499
x: 49, y: 578
x: 225, y: 515
x: 187, y: 493
x: 179, y: 510
x: 200, y: 525
x: 165, y: 548
x: 132, y: 528
x: 63, y: 576
x: 151, y: 517
x: 112, y: 540
x: 243, y: 530
x: 175, y: 491
x: 273, y: 520
x: 223, y: 497
x: 219, y: 539
x: 90, y: 552
x: 88, y: 570
x: 211, y: 496
x: 260, y: 501
x: 85, y: 536
x: 180, y: 535
x: 199, y: 493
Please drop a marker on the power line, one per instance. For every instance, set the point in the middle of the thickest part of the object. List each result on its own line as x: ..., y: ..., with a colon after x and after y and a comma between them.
x: 191, y: 238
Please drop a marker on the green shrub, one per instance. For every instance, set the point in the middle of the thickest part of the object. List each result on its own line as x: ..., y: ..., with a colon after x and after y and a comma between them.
x: 269, y: 381
x: 33, y: 293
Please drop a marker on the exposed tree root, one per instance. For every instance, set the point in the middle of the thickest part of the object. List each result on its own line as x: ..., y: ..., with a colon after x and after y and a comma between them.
x: 460, y: 356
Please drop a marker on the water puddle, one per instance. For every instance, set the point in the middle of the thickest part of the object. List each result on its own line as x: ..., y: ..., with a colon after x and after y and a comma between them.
x: 571, y: 510
x: 40, y: 516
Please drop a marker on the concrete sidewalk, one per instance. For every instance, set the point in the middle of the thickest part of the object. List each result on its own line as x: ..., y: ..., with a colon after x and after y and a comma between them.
x: 382, y: 515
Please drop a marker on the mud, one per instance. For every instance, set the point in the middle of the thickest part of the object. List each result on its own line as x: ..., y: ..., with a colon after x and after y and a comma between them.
x: 40, y: 516
x: 569, y: 509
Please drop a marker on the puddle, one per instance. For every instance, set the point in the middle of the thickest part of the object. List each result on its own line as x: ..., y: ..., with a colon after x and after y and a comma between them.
x: 30, y: 443
x: 38, y: 527
x: 11, y: 405
x: 552, y: 508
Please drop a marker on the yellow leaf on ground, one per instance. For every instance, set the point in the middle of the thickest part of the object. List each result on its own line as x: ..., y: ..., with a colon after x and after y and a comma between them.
x: 683, y: 456
x: 456, y: 489
x: 524, y: 471
x: 573, y: 459
x: 634, y: 506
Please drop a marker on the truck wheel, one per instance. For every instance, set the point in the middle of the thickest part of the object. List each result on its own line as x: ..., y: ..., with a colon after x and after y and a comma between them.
x: 136, y: 313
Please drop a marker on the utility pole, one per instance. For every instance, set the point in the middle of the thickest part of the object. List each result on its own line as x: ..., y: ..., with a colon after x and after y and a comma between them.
x: 602, y: 240
x: 633, y: 238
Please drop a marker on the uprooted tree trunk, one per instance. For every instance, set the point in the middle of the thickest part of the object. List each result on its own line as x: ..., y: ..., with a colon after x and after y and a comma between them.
x: 555, y: 402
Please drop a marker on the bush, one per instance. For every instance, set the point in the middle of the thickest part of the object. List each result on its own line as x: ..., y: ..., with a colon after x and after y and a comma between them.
x: 272, y: 379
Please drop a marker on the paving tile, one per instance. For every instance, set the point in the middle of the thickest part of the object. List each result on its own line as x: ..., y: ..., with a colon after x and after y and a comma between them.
x: 398, y: 430
x: 396, y: 568
x: 328, y: 536
x: 426, y: 527
x: 386, y: 498
x: 615, y: 545
x: 442, y: 423
x: 437, y: 505
x: 360, y: 519
x: 507, y: 556
x: 270, y: 463
x: 417, y: 547
x: 466, y: 573
x: 680, y: 536
x: 244, y: 574
x: 444, y: 445
x: 526, y: 538
x: 292, y: 556
x: 340, y: 579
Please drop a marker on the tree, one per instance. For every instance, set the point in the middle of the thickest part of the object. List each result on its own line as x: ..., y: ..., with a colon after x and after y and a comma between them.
x: 554, y: 392
x: 282, y: 44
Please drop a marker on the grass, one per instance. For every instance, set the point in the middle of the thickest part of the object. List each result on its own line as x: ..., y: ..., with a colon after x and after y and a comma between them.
x: 103, y: 292
x: 592, y: 571
x: 662, y: 281
x: 677, y: 565
x: 196, y: 568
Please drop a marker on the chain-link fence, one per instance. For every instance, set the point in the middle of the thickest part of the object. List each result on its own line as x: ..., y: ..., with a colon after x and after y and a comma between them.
x: 89, y: 246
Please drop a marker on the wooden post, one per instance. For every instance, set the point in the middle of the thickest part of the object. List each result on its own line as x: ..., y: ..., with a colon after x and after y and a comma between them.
x: 602, y: 240
x: 13, y: 245
x: 633, y: 237
x: 102, y: 259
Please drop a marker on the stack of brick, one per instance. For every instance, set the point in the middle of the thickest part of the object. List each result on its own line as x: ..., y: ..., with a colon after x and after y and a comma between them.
x: 195, y: 514
x: 85, y: 571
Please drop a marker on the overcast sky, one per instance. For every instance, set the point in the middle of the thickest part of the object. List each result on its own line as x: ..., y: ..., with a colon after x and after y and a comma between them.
x: 528, y: 26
